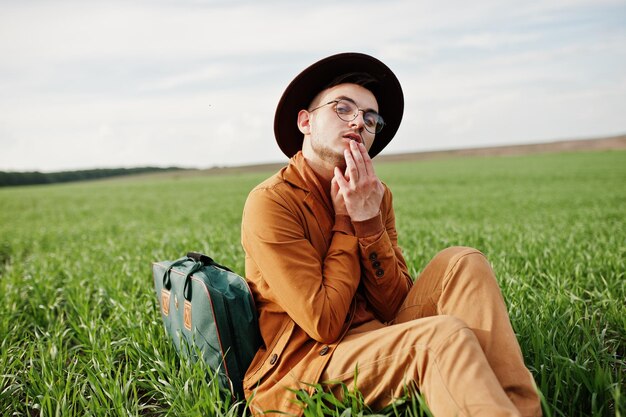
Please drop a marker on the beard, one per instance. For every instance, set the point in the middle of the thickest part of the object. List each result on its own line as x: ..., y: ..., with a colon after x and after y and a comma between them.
x: 327, y: 153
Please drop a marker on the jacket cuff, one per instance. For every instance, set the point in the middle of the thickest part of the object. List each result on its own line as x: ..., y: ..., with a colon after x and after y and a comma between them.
x: 370, y: 227
x: 343, y: 224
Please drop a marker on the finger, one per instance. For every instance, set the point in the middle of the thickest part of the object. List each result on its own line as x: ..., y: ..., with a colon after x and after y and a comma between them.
x: 351, y: 169
x: 358, y: 157
x: 339, y: 179
x: 334, y: 183
x: 334, y: 187
x: 367, y: 160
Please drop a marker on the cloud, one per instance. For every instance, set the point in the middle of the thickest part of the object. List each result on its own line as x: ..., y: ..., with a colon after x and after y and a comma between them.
x: 133, y: 82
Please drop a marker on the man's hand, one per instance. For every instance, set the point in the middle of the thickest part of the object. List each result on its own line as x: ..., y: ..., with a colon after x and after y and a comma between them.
x: 338, y: 202
x: 360, y: 188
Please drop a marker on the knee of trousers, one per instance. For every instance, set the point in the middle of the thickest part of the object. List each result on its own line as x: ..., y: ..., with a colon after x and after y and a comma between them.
x: 439, y: 329
x: 470, y: 262
x: 453, y: 253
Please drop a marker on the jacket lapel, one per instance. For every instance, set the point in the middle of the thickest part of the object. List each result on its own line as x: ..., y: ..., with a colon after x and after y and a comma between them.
x: 319, y: 208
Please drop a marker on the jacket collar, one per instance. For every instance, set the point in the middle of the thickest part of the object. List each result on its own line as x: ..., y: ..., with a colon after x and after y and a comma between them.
x: 293, y: 173
x: 299, y: 174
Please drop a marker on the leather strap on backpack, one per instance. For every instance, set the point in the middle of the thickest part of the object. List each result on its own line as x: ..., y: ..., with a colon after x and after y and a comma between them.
x: 206, y: 260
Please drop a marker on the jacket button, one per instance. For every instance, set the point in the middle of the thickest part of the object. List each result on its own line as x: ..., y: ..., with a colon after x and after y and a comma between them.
x: 324, y: 350
x: 380, y: 272
x: 376, y: 264
x: 273, y: 359
x: 373, y: 256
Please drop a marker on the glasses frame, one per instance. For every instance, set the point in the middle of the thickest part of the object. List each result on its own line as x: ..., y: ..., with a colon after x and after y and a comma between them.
x: 355, y: 115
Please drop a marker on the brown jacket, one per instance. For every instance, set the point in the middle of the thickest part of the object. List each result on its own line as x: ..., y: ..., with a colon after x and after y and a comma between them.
x: 313, y: 275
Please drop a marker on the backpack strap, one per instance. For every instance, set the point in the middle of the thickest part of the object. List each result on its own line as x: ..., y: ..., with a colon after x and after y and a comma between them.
x: 167, y: 282
x: 206, y: 260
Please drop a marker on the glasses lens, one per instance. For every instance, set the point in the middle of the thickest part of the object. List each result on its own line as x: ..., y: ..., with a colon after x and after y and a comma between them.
x: 346, y: 110
x: 373, y: 122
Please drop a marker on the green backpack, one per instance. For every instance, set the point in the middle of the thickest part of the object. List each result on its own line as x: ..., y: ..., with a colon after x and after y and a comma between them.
x: 208, y: 310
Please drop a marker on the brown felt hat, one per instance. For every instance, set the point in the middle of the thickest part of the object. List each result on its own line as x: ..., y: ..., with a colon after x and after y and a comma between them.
x: 301, y: 91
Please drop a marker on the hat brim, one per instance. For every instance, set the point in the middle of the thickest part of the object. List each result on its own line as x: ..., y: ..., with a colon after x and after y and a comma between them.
x: 301, y: 91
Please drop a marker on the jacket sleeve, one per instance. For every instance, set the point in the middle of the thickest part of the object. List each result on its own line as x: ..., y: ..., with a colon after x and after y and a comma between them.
x: 315, y: 291
x: 385, y: 275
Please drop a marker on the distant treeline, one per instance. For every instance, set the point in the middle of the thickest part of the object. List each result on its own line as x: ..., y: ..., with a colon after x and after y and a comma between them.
x: 32, y: 178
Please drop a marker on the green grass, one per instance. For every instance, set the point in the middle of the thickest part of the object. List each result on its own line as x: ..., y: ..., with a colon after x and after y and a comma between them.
x: 81, y: 335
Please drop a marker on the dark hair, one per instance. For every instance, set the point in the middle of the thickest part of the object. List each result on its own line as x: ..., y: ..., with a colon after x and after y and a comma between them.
x: 363, y: 79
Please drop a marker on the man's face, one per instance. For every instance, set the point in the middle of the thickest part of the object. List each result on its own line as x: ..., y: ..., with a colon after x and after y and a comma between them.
x: 328, y: 135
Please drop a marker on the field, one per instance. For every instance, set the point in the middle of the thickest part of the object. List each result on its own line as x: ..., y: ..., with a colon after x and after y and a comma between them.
x: 81, y: 334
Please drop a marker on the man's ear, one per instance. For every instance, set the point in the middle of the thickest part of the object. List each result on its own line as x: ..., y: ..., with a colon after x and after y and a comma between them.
x: 304, y: 122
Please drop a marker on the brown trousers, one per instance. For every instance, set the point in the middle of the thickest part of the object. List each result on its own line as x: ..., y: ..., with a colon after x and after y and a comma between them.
x: 452, y: 339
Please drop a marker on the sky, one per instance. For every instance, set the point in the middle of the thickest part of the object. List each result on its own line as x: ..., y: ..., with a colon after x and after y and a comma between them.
x: 193, y: 83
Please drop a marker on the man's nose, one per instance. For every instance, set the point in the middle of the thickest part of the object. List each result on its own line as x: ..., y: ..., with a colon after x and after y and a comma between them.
x: 358, y: 121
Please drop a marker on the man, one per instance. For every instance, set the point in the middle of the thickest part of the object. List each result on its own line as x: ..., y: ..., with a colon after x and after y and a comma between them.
x: 331, y: 285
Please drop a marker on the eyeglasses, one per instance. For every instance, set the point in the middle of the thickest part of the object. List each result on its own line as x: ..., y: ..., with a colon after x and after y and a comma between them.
x: 348, y: 111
